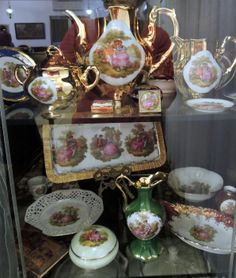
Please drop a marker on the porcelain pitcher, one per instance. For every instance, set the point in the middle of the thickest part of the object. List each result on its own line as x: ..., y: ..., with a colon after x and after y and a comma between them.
x: 122, y: 53
x: 199, y: 72
x: 144, y: 216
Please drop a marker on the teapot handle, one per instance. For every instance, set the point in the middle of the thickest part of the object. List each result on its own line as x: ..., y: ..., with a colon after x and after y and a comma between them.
x: 52, y: 49
x: 17, y: 73
x: 84, y: 77
x: 227, y: 63
x: 170, y: 13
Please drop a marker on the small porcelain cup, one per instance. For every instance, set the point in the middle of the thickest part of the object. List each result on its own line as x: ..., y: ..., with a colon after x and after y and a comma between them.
x: 38, y: 186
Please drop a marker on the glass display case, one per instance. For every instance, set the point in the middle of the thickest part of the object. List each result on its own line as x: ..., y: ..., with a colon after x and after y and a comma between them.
x: 123, y: 144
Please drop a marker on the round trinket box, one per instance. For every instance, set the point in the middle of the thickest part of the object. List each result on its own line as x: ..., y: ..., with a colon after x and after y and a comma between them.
x: 226, y: 200
x: 93, y: 247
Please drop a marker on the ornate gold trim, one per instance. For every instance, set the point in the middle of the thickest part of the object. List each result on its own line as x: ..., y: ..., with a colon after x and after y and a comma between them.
x: 88, y: 174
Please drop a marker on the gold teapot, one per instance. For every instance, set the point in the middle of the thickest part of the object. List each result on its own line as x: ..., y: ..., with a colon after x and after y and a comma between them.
x: 198, y: 71
x: 123, y: 55
x: 56, y: 81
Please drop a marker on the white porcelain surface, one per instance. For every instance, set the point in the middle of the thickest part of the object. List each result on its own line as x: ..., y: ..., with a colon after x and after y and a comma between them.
x: 93, y: 247
x: 195, y: 177
x: 119, y: 63
x: 85, y: 205
x: 202, y: 73
x: 209, y: 105
x: 43, y: 90
x: 203, y: 228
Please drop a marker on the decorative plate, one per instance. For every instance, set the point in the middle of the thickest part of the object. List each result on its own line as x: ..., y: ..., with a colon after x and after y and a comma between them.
x: 21, y: 111
x: 117, y: 54
x: 202, y: 73
x: 209, y: 105
x: 20, y: 114
x: 203, y: 228
x: 9, y: 57
x: 64, y: 212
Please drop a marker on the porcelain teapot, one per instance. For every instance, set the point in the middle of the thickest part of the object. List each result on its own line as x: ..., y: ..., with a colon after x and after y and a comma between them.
x: 56, y: 81
x: 145, y: 216
x: 198, y: 71
x: 123, y: 55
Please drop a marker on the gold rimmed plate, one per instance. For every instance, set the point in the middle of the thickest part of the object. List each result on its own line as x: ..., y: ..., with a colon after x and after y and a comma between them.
x: 203, y: 228
x: 9, y: 58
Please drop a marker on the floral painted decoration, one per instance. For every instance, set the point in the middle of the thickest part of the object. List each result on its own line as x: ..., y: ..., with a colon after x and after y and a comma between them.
x: 68, y: 215
x: 93, y: 237
x: 144, y: 224
x: 107, y: 146
x: 203, y: 233
x: 7, y: 75
x: 72, y: 150
x: 141, y: 142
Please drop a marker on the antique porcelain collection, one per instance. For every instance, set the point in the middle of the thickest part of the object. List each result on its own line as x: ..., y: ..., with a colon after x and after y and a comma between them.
x: 121, y: 59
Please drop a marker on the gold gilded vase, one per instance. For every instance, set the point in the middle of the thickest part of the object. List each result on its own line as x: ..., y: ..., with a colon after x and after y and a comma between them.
x: 123, y: 55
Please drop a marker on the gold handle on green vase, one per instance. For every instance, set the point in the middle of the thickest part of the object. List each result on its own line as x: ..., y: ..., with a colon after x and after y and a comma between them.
x: 157, y: 178
x: 170, y: 13
x: 120, y: 180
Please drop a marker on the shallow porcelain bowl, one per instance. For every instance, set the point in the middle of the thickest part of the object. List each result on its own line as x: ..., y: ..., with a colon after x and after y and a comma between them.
x: 93, y: 247
x: 195, y: 184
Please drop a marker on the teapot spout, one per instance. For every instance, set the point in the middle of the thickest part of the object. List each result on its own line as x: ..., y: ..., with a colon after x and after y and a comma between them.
x: 81, y: 33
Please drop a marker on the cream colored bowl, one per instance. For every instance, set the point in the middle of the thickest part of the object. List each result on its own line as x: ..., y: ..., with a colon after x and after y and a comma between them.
x: 195, y: 184
x: 93, y: 247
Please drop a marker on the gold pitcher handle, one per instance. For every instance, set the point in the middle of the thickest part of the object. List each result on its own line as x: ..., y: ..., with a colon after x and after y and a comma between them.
x: 170, y: 13
x: 84, y: 77
x: 26, y: 71
x: 157, y: 178
x: 120, y: 180
x: 222, y: 59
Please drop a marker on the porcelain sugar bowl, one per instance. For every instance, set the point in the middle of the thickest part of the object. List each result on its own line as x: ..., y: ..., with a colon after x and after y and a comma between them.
x: 93, y: 247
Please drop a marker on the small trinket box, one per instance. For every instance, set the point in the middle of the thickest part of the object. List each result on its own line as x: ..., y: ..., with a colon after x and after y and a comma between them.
x: 102, y: 106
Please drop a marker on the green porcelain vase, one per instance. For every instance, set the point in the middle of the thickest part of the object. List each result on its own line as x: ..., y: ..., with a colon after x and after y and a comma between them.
x: 145, y: 217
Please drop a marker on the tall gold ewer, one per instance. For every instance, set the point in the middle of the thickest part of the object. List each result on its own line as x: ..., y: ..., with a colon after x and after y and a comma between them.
x: 123, y: 55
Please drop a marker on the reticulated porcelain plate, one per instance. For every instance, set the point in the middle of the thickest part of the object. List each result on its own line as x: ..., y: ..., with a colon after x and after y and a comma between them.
x: 117, y: 54
x: 9, y: 57
x: 64, y: 212
x: 209, y: 105
x: 202, y: 228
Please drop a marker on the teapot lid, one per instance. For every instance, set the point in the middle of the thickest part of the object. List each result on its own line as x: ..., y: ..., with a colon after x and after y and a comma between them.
x: 54, y: 58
